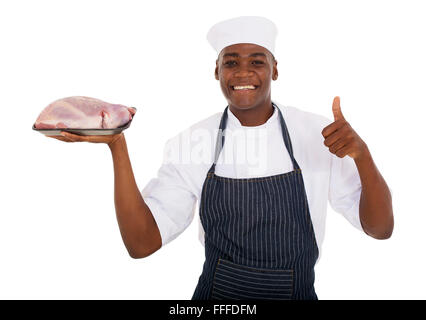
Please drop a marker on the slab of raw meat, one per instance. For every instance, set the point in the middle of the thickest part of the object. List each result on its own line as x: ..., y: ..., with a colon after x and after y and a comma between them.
x: 83, y: 113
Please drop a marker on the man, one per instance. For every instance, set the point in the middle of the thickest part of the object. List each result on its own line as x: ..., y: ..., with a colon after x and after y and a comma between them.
x: 263, y: 228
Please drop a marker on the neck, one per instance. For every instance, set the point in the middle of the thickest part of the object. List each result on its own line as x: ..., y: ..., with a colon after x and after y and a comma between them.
x: 255, y: 115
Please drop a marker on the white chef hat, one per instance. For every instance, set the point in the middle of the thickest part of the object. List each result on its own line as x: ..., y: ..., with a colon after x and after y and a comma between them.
x: 245, y: 29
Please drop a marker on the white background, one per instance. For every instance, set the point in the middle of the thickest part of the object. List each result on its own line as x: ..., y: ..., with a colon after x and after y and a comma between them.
x: 59, y: 238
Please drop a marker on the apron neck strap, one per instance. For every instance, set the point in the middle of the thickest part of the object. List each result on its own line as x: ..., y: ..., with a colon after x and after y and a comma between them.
x: 287, y: 140
x: 220, y: 140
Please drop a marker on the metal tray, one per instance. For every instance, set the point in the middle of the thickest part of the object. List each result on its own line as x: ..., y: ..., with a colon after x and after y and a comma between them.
x: 85, y: 132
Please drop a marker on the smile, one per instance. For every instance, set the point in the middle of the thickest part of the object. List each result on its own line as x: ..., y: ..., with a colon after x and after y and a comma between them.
x: 245, y: 87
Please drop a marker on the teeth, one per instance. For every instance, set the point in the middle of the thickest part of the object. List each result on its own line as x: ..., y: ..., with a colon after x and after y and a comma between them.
x: 244, y: 87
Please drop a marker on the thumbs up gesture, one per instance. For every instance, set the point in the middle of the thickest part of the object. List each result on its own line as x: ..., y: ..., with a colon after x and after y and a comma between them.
x: 340, y: 138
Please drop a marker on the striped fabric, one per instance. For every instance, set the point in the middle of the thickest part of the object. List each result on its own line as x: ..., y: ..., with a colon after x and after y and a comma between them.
x: 259, y: 239
x: 232, y: 281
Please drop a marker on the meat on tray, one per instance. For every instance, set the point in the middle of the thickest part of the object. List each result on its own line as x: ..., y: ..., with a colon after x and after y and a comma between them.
x: 83, y: 113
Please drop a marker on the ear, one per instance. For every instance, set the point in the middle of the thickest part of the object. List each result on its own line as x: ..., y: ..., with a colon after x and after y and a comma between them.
x: 216, y: 71
x: 275, y: 71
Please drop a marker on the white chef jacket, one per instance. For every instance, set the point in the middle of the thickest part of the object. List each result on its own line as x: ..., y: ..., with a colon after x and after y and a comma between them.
x: 248, y: 152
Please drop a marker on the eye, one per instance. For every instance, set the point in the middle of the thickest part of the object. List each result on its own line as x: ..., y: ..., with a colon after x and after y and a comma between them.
x: 230, y: 62
x: 257, y: 62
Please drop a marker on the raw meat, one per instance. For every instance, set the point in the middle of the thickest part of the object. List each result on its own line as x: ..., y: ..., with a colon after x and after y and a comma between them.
x: 83, y: 113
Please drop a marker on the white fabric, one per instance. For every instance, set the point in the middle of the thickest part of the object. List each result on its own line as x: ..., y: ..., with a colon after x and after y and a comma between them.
x: 172, y: 195
x: 246, y: 29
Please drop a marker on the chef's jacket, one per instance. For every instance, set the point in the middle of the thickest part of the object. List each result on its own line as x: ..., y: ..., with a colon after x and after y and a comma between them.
x: 248, y: 152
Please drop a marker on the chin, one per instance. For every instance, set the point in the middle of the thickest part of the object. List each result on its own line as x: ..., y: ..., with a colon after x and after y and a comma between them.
x: 243, y: 104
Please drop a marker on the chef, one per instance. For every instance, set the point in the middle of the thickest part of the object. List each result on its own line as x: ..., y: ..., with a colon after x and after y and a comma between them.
x: 262, y: 226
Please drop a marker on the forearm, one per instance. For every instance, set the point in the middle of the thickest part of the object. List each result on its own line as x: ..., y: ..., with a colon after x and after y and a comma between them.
x: 375, y: 207
x: 137, y: 225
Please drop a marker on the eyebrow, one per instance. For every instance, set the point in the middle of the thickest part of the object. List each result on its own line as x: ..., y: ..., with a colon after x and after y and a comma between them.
x: 235, y: 54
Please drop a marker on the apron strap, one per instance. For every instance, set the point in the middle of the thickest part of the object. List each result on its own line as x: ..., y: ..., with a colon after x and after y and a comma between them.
x: 220, y: 140
x: 287, y: 140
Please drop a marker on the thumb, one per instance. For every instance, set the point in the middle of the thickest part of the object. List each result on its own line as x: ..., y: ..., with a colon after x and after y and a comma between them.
x: 337, y: 112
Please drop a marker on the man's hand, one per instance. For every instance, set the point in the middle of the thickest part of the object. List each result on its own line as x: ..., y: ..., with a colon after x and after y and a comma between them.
x: 70, y: 137
x: 341, y: 139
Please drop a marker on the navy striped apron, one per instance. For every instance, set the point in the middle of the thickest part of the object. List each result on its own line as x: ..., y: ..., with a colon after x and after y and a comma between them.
x: 259, y: 239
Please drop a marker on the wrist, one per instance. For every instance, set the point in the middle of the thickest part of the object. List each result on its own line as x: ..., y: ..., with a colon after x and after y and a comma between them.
x: 364, y: 157
x: 116, y: 141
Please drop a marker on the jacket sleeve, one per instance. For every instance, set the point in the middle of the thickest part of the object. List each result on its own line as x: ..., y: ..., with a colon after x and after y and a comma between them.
x: 170, y: 199
x: 345, y: 189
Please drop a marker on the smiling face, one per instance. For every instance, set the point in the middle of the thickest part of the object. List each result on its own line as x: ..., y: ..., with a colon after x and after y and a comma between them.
x: 245, y: 71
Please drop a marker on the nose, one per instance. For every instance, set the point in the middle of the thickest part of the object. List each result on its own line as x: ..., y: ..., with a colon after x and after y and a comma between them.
x: 244, y: 70
x: 243, y: 73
